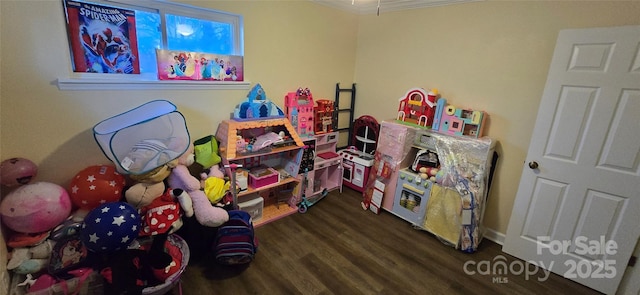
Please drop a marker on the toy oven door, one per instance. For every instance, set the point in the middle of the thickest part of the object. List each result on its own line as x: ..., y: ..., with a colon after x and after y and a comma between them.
x: 358, y: 175
x: 347, y: 171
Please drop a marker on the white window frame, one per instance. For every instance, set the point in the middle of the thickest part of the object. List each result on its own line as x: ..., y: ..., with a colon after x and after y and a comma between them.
x: 98, y: 81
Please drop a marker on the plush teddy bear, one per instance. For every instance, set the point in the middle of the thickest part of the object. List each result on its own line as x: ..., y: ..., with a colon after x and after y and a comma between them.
x: 142, y: 194
x: 181, y: 179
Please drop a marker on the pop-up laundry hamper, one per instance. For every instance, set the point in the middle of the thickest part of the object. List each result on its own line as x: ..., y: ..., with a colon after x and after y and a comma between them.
x: 144, y: 138
x: 174, y: 279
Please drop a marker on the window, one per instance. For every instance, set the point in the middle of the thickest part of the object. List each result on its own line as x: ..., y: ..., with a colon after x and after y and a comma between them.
x: 171, y: 26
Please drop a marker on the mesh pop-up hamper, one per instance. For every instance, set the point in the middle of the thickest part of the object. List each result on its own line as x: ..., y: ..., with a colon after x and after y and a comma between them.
x: 144, y: 138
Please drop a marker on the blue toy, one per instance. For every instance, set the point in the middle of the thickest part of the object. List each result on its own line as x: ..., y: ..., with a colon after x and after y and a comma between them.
x: 257, y: 107
x: 305, y: 203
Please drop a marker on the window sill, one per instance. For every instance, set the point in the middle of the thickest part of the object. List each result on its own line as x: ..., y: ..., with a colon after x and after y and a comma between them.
x: 127, y: 84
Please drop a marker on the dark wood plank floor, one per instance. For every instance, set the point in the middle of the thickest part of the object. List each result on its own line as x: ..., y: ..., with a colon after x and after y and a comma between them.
x: 338, y: 248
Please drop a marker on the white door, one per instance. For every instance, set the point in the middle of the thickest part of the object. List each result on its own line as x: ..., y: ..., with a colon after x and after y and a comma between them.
x: 583, y: 198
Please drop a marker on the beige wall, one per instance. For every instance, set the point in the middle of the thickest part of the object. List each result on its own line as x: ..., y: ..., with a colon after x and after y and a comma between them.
x: 287, y: 45
x: 492, y: 56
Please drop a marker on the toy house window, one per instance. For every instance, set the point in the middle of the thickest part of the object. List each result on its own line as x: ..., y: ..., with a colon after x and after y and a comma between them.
x: 416, y: 98
x: 158, y: 25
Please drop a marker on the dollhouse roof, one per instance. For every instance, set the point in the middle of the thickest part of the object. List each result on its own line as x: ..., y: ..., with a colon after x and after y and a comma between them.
x: 257, y: 106
x: 423, y: 95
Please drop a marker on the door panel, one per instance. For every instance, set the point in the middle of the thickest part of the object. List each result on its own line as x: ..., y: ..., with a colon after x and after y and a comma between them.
x: 574, y: 109
x: 622, y: 144
x: 586, y: 144
x: 548, y: 196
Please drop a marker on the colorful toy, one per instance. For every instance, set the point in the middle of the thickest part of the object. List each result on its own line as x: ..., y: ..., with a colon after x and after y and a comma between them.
x: 256, y: 107
x: 214, y: 184
x: 67, y: 254
x: 324, y: 112
x: 110, y: 227
x: 229, y: 130
x: 417, y: 107
x: 35, y: 207
x: 96, y: 185
x: 299, y: 108
x: 456, y: 121
x: 17, y: 171
x: 428, y: 173
x: 206, y: 151
x: 306, y: 202
x: 30, y: 258
x: 184, y: 184
x: 162, y: 215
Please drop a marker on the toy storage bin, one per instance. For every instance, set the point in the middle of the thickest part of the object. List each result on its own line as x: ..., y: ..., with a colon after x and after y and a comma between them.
x: 144, y: 138
x: 253, y: 205
x: 259, y: 177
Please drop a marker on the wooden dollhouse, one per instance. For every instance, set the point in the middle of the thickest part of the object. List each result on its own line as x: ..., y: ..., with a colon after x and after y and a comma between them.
x: 417, y: 107
x: 299, y: 109
x: 271, y: 172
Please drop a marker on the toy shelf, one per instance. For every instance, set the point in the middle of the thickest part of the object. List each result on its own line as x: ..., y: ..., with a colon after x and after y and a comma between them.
x: 280, y: 193
x: 272, y: 213
x: 329, y: 175
x: 228, y: 131
x: 326, y: 172
x: 250, y: 190
x: 267, y: 152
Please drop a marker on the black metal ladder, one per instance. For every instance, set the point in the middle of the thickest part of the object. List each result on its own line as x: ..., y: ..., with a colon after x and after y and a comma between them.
x: 338, y: 110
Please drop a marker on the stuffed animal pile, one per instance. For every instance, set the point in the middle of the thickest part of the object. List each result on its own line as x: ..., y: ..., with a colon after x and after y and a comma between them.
x: 107, y: 220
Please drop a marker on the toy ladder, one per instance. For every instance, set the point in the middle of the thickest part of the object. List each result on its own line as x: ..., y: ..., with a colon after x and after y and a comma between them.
x: 338, y: 109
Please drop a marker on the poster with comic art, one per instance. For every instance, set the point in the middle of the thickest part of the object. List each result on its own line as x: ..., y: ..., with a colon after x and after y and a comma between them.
x: 184, y: 65
x: 103, y: 38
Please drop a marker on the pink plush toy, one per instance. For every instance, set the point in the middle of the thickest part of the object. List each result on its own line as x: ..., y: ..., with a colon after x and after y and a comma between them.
x: 206, y: 214
x: 180, y: 178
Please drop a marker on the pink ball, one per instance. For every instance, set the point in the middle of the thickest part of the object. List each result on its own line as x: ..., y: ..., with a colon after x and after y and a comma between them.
x: 35, y: 208
x: 17, y: 171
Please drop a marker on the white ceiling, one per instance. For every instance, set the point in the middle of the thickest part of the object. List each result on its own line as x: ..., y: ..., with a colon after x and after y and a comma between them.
x: 371, y: 6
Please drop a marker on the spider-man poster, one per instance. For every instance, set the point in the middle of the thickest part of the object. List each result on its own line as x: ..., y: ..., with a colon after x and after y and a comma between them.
x: 103, y: 39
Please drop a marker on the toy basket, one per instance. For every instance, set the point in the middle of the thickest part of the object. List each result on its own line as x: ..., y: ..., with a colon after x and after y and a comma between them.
x: 143, y: 138
x: 174, y: 279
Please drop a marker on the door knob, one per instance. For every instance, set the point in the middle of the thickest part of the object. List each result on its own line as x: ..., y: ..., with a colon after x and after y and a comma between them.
x: 533, y: 165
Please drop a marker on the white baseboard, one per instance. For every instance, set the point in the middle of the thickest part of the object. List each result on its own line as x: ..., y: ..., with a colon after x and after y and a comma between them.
x: 494, y: 236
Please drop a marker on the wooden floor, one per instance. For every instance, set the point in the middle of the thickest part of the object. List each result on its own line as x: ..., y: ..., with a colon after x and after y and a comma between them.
x: 338, y: 248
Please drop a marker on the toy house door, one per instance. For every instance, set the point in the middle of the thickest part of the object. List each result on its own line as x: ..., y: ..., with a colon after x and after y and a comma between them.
x: 580, y: 184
